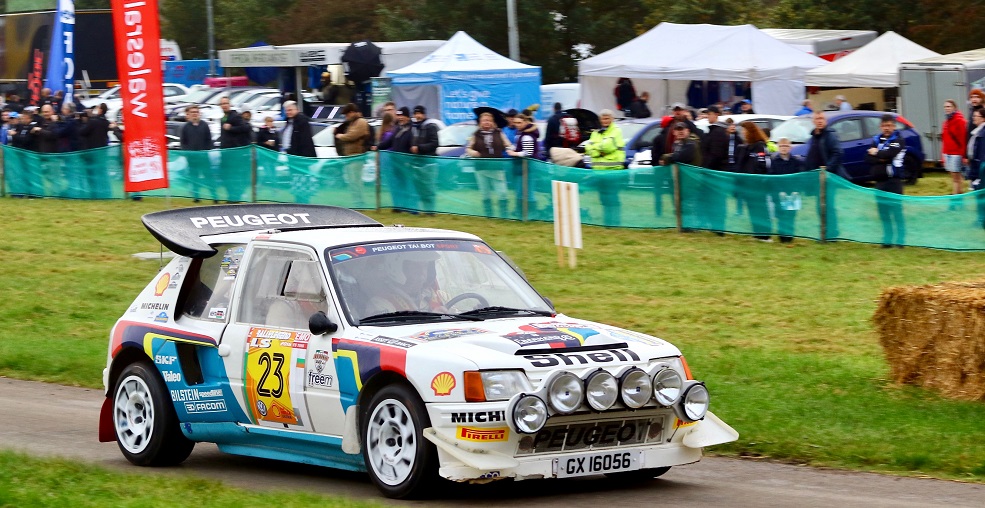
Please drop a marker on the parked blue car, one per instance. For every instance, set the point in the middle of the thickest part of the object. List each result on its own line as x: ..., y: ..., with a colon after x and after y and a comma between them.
x: 855, y: 130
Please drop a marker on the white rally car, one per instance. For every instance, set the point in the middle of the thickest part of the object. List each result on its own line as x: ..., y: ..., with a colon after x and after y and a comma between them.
x: 315, y: 334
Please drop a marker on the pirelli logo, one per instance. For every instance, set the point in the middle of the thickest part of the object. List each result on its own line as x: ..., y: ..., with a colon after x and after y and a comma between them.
x: 482, y: 435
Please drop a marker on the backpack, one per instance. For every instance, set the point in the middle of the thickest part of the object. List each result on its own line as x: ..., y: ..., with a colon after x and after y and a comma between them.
x: 370, y: 140
x: 569, y: 132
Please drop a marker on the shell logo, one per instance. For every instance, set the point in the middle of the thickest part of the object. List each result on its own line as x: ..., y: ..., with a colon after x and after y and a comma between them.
x: 162, y: 284
x: 443, y: 383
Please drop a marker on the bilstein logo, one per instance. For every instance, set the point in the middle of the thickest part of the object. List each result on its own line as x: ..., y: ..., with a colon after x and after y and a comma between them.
x: 482, y: 435
x: 443, y: 383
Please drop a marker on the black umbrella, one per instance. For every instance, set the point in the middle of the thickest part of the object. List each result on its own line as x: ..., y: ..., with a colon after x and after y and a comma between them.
x: 587, y: 120
x: 498, y: 116
x: 363, y: 61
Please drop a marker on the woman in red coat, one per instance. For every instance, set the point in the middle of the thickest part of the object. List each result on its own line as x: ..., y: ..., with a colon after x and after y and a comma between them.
x: 955, y: 137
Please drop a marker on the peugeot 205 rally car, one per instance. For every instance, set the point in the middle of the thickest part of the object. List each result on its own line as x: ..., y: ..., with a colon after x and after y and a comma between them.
x: 315, y: 334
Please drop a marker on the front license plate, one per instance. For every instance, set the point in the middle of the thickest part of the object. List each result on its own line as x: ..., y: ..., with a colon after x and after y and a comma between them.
x: 598, y: 463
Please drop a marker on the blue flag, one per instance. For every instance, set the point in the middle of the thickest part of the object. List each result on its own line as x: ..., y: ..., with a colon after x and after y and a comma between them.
x: 61, y: 57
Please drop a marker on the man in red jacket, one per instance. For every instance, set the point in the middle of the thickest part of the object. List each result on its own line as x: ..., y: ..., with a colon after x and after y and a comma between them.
x: 955, y: 137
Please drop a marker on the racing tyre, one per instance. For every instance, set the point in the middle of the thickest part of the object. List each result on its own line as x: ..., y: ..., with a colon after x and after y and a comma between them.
x: 641, y: 475
x: 146, y: 425
x: 400, y: 461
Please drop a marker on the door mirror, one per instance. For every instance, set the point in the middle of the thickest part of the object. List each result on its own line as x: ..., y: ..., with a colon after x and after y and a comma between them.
x: 319, y: 324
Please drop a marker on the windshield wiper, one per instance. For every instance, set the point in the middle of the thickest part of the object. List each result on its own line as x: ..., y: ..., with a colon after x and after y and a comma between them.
x: 410, y: 315
x: 496, y: 310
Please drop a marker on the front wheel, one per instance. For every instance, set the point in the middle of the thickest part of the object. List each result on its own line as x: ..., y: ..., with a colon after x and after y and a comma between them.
x: 400, y: 461
x: 146, y: 425
x: 641, y: 475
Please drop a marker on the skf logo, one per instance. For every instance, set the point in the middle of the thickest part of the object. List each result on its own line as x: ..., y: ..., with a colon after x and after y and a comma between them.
x: 162, y: 284
x: 443, y: 383
x: 482, y: 435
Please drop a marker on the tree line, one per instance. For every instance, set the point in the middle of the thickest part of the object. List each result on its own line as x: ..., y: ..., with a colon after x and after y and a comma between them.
x: 554, y: 34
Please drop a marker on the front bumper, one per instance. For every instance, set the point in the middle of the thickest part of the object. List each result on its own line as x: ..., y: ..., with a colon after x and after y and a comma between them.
x: 482, y: 451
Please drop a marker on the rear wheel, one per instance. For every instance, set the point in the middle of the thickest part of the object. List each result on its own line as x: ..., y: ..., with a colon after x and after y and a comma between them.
x: 641, y: 475
x: 400, y: 461
x: 146, y: 425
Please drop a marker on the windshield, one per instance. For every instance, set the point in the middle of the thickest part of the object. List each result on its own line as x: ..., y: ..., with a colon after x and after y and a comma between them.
x: 199, y: 95
x: 797, y: 130
x: 423, y: 281
x: 456, y: 135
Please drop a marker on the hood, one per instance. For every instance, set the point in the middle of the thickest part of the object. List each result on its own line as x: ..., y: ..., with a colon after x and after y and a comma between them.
x: 501, y: 343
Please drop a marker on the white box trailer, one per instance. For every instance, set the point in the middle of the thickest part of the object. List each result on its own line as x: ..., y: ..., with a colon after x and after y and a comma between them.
x: 926, y: 84
x: 827, y: 44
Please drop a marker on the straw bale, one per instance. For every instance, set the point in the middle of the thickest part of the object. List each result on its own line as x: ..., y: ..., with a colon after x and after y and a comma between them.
x: 934, y: 336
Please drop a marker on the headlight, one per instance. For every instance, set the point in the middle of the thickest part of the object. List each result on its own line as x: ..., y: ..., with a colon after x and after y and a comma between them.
x: 667, y: 384
x: 565, y: 393
x: 601, y: 390
x: 529, y: 414
x: 635, y: 388
x: 695, y: 402
x: 494, y: 385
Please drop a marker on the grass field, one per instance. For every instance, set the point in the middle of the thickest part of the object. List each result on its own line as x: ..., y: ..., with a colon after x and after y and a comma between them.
x: 781, y: 333
x: 29, y: 481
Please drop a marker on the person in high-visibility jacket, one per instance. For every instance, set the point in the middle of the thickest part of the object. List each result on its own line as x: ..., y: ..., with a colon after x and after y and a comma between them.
x: 606, y: 148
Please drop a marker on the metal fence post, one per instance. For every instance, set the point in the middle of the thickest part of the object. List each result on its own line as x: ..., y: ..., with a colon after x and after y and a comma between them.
x: 678, y: 214
x: 379, y: 184
x: 253, y: 173
x: 3, y: 171
x: 525, y: 189
x: 823, y: 198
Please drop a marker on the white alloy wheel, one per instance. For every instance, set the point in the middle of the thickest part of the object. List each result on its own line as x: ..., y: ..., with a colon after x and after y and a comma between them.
x: 391, y: 442
x: 133, y: 414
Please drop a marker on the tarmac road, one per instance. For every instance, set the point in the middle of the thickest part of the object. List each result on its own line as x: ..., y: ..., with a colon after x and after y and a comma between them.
x: 54, y: 420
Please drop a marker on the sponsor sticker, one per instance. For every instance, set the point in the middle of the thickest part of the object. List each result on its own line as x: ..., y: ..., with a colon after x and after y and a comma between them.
x: 448, y: 334
x: 389, y: 341
x: 678, y: 423
x: 206, y: 406
x: 162, y: 284
x: 482, y: 435
x: 478, y: 417
x: 161, y: 318
x: 217, y: 313
x: 443, y: 383
x: 321, y: 358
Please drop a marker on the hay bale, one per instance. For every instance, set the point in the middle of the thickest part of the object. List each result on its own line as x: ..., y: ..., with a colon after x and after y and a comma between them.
x: 934, y: 336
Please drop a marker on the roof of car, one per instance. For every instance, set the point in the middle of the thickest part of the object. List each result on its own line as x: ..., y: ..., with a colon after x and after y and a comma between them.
x: 855, y: 112
x: 182, y: 230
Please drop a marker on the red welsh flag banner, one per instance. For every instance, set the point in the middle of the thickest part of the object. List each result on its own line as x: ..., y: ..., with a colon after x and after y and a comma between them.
x: 138, y: 61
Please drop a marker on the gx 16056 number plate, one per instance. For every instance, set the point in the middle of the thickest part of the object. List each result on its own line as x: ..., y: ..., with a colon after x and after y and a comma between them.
x: 597, y: 463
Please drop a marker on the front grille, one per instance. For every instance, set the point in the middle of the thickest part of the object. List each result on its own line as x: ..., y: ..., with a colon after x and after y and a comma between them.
x: 585, y: 436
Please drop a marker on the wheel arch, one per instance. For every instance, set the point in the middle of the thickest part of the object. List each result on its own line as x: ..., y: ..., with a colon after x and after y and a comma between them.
x: 125, y: 357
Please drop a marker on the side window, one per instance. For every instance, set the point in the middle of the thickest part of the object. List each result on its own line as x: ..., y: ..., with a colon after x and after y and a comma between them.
x: 210, y: 291
x: 848, y: 130
x: 646, y: 139
x: 283, y: 288
x: 873, y: 125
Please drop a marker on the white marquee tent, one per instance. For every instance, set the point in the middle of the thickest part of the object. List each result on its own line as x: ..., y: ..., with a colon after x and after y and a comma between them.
x: 665, y: 59
x: 875, y: 65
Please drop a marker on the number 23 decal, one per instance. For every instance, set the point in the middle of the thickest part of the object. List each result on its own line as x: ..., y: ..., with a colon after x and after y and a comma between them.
x: 268, y: 378
x: 265, y: 360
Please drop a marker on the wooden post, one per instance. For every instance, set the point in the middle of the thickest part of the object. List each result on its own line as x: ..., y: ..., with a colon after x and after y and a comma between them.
x: 562, y: 218
x: 679, y: 215
x: 823, y: 198
x: 379, y: 184
x: 525, y: 188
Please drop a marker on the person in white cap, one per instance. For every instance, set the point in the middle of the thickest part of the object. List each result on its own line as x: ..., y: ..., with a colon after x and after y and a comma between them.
x: 843, y: 104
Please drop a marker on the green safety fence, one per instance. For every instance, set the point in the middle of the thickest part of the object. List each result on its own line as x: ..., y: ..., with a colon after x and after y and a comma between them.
x: 815, y: 204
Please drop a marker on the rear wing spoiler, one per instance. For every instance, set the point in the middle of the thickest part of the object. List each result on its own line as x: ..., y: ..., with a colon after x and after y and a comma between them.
x: 181, y: 230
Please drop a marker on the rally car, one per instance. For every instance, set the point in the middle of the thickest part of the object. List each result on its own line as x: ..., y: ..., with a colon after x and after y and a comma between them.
x: 315, y: 334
